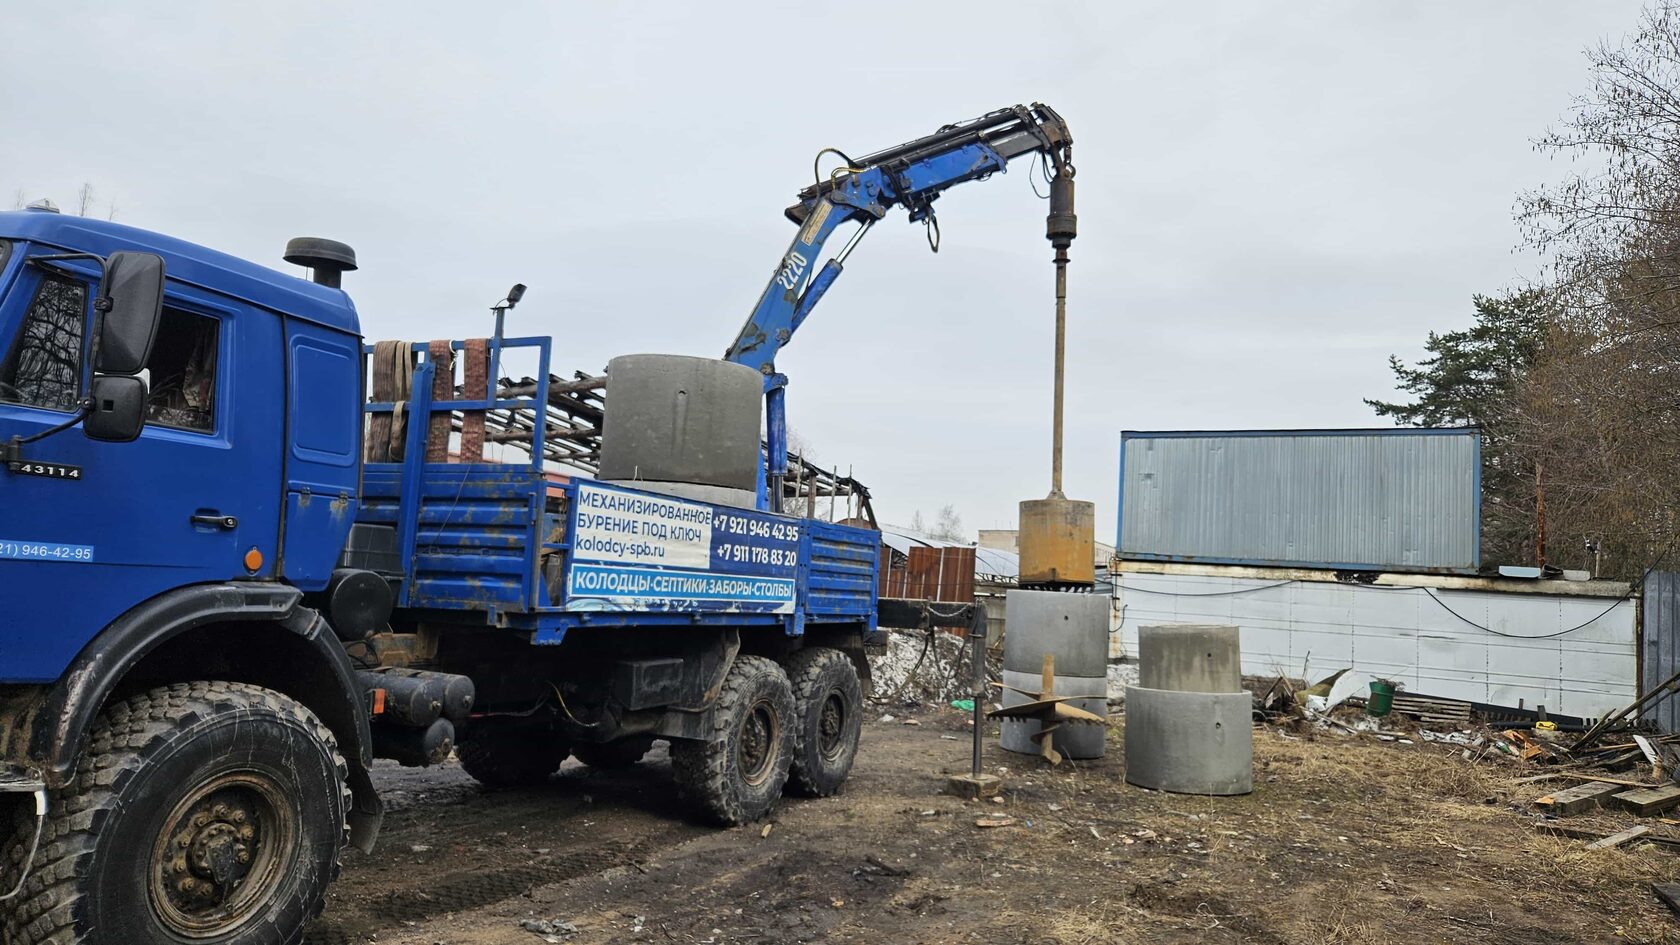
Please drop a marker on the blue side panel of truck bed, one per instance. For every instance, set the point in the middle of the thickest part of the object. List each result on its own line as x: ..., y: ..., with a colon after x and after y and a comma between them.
x: 841, y: 566
x: 474, y: 544
x: 484, y: 538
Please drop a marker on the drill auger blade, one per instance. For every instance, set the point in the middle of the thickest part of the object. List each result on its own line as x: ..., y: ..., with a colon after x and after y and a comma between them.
x: 1049, y: 710
x: 1046, y: 744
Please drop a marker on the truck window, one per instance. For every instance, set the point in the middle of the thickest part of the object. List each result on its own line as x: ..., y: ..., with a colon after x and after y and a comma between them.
x: 45, y: 366
x: 182, y: 371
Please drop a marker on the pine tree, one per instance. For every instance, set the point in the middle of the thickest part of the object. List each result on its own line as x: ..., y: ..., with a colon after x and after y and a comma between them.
x: 1470, y: 374
x: 1472, y: 378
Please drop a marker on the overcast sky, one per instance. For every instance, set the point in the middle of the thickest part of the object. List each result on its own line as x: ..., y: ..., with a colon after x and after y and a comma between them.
x: 1272, y: 196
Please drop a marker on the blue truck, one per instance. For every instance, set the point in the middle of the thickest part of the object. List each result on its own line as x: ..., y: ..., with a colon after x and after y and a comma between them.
x: 219, y: 604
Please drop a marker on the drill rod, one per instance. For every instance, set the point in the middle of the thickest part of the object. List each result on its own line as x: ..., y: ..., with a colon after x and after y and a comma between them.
x: 1061, y: 360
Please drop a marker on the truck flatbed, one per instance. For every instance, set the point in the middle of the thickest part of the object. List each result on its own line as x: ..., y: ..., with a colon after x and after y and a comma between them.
x: 519, y: 547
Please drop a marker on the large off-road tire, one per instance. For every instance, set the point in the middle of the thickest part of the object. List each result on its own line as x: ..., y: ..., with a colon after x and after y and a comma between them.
x: 621, y: 753
x: 204, y: 812
x: 828, y: 707
x: 506, y: 753
x: 735, y: 774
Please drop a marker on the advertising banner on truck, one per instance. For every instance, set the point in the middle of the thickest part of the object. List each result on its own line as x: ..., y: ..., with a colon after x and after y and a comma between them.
x: 635, y: 551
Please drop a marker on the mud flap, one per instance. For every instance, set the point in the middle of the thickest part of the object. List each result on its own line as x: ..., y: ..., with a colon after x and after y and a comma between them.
x: 688, y: 721
x: 368, y: 812
x: 340, y: 707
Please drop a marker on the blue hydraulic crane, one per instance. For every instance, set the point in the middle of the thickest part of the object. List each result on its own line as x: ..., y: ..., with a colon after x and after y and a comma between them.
x: 861, y: 191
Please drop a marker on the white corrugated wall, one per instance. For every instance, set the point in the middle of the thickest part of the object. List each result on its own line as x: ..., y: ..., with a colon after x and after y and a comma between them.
x: 1574, y: 655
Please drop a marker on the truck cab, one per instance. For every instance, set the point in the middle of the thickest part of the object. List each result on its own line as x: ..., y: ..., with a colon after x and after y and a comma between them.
x: 180, y: 467
x: 245, y: 469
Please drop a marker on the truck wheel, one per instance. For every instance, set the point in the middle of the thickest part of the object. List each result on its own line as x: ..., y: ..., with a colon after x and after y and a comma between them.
x: 204, y: 811
x: 505, y: 753
x: 828, y: 702
x: 736, y: 773
x: 621, y: 753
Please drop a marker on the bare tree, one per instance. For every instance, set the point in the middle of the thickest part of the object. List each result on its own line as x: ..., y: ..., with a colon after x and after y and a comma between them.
x: 799, y: 445
x: 86, y: 202
x: 948, y: 526
x: 1597, y: 417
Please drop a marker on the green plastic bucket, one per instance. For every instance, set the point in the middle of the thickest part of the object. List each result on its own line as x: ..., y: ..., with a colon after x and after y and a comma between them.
x: 1382, y: 697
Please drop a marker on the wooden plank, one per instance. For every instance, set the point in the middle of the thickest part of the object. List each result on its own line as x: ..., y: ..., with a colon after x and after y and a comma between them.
x: 1669, y: 894
x: 1654, y: 739
x: 1616, y: 762
x: 1648, y: 801
x: 1666, y: 844
x: 1581, y: 797
x: 1603, y: 779
x: 1617, y: 839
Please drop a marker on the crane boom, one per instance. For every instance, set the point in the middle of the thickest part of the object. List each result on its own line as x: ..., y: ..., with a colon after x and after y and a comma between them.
x: 911, y: 175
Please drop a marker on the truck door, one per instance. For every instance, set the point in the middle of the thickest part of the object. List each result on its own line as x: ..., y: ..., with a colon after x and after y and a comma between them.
x: 90, y: 529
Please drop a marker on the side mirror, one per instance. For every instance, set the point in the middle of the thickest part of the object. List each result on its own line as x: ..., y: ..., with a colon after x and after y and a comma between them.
x: 119, y: 408
x: 133, y: 289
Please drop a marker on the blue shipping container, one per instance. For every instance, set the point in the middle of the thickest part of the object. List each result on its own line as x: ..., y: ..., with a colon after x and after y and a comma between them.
x: 1402, y: 499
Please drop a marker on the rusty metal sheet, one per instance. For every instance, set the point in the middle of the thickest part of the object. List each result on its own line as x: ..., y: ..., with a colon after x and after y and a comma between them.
x: 941, y: 574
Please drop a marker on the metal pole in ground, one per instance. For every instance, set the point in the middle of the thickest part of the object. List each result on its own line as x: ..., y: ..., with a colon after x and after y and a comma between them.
x: 975, y: 785
x: 977, y: 639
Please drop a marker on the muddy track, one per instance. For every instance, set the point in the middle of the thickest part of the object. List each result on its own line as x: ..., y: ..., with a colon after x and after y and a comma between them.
x: 449, y: 846
x: 461, y: 890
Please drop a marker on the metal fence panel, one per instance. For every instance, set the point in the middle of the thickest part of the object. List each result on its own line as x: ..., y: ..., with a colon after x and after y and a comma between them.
x: 1660, y: 625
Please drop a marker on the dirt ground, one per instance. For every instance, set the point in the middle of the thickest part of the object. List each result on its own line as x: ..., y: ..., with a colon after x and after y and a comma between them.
x: 1345, y: 839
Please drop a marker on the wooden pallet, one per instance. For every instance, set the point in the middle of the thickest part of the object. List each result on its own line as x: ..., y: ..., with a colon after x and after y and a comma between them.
x: 1581, y: 797
x: 1433, y: 710
x: 1648, y: 801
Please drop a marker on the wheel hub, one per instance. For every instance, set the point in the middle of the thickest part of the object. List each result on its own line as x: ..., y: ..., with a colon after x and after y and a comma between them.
x: 221, y: 854
x: 831, y: 726
x: 756, y: 751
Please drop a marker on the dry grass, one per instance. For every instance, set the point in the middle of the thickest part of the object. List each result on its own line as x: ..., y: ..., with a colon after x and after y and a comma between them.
x: 1340, y: 923
x: 1450, y: 836
x: 1346, y: 839
x: 1107, y: 924
x: 1352, y: 762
